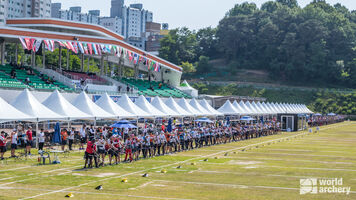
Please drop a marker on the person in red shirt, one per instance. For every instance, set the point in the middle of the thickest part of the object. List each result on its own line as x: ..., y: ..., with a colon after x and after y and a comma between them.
x: 89, y: 154
x: 29, y: 140
x: 2, y: 145
x: 64, y: 136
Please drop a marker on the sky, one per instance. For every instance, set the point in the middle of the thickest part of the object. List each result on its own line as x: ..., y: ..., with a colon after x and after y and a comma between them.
x: 194, y: 14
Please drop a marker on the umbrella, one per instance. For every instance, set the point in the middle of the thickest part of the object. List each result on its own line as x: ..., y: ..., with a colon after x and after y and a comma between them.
x: 318, y: 114
x: 247, y: 118
x: 123, y: 124
x: 204, y: 119
x: 57, y: 134
x: 169, y: 127
x: 331, y: 114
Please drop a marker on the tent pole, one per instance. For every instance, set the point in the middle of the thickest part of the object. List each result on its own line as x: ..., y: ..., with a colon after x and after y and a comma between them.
x: 137, y: 126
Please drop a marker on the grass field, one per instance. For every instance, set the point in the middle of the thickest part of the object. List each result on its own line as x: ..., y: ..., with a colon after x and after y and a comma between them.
x: 264, y: 168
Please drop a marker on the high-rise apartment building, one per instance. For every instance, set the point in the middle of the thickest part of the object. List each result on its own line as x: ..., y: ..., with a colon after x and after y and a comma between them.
x: 24, y: 8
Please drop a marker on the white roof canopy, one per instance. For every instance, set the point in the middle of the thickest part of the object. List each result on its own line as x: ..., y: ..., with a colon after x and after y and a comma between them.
x: 85, y: 104
x: 259, y: 108
x: 28, y: 104
x: 142, y: 103
x: 240, y: 109
x: 195, y: 104
x: 175, y: 107
x: 160, y: 105
x: 58, y: 104
x: 186, y: 106
x: 107, y: 104
x: 208, y: 107
x: 9, y: 113
x: 228, y: 109
x: 126, y: 103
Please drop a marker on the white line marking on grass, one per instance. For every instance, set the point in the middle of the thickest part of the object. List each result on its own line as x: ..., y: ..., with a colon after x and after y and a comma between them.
x: 278, y: 159
x: 180, y: 162
x: 96, y: 193
x: 12, y: 169
x: 237, y: 185
x: 293, y: 154
x: 325, y: 169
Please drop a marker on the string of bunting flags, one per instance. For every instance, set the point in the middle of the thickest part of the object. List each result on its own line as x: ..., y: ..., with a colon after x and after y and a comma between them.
x: 90, y: 49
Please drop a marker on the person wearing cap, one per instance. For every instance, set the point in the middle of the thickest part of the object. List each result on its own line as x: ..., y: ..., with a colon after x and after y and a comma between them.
x: 2, y: 145
x: 14, y: 138
x: 71, y: 138
x: 41, y: 139
x: 28, y: 140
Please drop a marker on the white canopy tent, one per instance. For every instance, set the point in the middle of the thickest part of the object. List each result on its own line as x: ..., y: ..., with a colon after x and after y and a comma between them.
x: 160, y: 105
x: 208, y: 107
x: 251, y: 108
x: 228, y: 109
x: 186, y: 106
x: 126, y: 103
x: 245, y: 108
x: 241, y: 110
x: 107, y: 104
x: 269, y: 108
x: 9, y: 113
x: 195, y: 104
x: 58, y: 104
x: 260, y: 109
x: 86, y: 105
x: 175, y: 107
x: 29, y: 105
x: 142, y: 103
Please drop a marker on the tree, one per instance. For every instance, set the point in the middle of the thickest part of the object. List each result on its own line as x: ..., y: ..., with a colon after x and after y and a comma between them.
x: 203, y: 65
x: 188, y: 67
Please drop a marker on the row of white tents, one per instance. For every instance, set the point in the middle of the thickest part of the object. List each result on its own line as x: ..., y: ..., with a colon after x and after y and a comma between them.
x: 27, y: 108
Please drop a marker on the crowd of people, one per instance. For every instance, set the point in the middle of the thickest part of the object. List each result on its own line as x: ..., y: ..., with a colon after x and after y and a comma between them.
x: 320, y: 120
x: 155, y: 140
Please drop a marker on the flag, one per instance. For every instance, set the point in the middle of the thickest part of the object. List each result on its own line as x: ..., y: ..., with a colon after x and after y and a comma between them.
x: 61, y: 44
x: 90, y: 48
x: 75, y: 47
x: 135, y: 59
x: 98, y: 46
x: 95, y: 49
x: 157, y: 68
x: 70, y: 46
x: 80, y: 47
x: 85, y: 46
x: 28, y: 43
x: 24, y: 45
x: 130, y: 55
x: 52, y: 45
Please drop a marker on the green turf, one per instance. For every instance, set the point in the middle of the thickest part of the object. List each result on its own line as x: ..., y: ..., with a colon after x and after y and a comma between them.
x: 271, y: 171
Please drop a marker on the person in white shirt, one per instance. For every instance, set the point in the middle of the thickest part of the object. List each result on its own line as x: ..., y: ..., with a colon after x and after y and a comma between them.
x: 13, y: 142
x: 82, y: 137
x: 71, y: 138
x: 41, y: 140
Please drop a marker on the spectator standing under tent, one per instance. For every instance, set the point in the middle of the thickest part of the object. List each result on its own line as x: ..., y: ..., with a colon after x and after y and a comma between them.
x: 41, y: 140
x: 28, y: 140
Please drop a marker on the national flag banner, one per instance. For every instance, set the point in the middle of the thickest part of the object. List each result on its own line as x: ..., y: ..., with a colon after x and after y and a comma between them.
x: 62, y: 44
x: 102, y: 48
x: 98, y: 47
x: 109, y: 48
x: 157, y: 68
x: 46, y: 42
x: 28, y: 43
x: 24, y: 45
x: 75, y: 47
x: 140, y: 59
x: 130, y: 56
x: 85, y: 46
x: 52, y: 45
x: 70, y: 46
x: 37, y: 45
x: 80, y: 47
x: 90, y: 48
x: 95, y: 50
x: 135, y: 60
x: 32, y: 44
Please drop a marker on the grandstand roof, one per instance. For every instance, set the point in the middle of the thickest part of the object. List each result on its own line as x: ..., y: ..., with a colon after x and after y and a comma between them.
x: 56, y: 29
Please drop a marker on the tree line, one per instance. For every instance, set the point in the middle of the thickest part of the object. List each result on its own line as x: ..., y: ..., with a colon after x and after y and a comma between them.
x: 313, y: 44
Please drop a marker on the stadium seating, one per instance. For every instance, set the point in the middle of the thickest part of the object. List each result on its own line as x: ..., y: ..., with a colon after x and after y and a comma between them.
x: 36, y: 81
x: 84, y: 76
x: 8, y: 82
x: 143, y: 87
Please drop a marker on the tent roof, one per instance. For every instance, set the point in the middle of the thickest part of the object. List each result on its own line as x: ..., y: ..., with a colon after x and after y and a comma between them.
x: 28, y: 104
x: 126, y: 103
x: 9, y: 113
x: 269, y: 108
x: 186, y: 106
x: 160, y: 105
x: 228, y: 109
x: 175, y: 107
x: 142, y: 103
x: 260, y: 109
x: 208, y: 107
x: 246, y: 109
x: 252, y: 108
x: 106, y: 103
x: 240, y: 109
x: 195, y: 104
x: 58, y: 104
x: 85, y: 104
